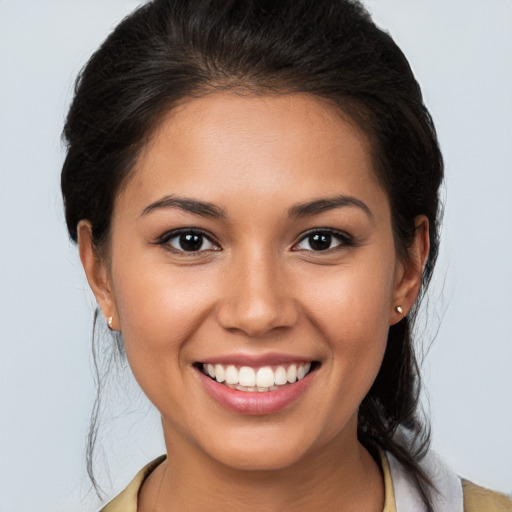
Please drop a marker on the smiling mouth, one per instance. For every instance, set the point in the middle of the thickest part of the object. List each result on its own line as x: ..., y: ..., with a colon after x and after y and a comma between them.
x: 262, y: 379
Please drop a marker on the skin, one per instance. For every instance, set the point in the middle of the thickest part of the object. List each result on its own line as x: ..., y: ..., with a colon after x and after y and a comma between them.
x: 258, y: 287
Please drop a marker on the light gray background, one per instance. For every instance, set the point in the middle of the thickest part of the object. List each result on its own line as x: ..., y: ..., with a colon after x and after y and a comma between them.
x: 461, y: 52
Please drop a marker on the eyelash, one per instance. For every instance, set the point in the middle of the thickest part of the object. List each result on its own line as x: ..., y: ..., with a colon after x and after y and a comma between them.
x: 166, y: 238
x: 344, y: 239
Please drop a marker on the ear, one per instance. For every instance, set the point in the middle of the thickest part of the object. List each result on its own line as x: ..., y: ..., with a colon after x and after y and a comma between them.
x: 409, y: 273
x: 96, y: 270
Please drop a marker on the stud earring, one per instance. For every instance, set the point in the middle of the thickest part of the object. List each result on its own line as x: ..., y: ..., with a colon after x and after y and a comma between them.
x: 109, y: 323
x: 398, y: 309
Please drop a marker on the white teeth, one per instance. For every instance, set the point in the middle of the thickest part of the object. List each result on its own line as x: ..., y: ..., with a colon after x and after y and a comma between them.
x: 231, y: 375
x: 280, y: 378
x: 220, y: 374
x: 263, y: 379
x: 247, y: 377
x: 251, y: 389
x: 291, y: 374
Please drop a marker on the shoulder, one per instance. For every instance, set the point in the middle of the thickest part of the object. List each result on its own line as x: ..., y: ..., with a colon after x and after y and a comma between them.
x: 453, y: 494
x: 479, y: 499
x: 126, y: 501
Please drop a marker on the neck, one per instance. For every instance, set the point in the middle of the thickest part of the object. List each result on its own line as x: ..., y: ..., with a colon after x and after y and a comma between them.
x: 340, y: 476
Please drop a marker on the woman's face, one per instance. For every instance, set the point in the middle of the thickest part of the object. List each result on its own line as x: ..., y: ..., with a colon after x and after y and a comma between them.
x: 255, y: 238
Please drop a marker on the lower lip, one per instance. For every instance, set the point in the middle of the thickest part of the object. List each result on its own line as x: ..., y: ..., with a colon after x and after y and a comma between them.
x: 255, y: 403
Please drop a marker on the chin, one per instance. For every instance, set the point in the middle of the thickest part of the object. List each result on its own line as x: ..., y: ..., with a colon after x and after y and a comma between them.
x: 264, y: 449
x: 250, y: 458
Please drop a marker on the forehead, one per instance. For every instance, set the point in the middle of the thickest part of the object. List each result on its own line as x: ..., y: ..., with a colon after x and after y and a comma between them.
x: 287, y: 148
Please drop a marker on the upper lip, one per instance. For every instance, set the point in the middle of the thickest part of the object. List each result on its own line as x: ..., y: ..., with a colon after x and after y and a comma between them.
x: 256, y: 360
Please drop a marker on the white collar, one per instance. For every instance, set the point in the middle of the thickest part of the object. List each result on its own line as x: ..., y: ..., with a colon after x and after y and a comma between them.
x: 448, y: 498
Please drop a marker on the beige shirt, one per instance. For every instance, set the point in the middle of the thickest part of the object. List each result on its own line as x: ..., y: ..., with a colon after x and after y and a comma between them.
x: 476, y: 498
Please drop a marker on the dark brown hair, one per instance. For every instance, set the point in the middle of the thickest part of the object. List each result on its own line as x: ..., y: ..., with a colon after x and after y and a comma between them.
x: 169, y: 50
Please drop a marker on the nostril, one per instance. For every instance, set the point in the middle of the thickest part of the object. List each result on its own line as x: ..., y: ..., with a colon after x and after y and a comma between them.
x: 255, y: 316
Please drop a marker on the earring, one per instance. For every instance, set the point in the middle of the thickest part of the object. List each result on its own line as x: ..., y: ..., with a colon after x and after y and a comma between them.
x: 398, y: 309
x: 109, y: 323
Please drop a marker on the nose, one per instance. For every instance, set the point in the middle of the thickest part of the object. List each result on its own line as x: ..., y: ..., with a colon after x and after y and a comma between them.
x: 258, y: 298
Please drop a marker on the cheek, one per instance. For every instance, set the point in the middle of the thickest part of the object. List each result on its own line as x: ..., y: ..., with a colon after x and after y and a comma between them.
x: 350, y: 307
x: 355, y: 298
x: 159, y: 309
x: 155, y: 296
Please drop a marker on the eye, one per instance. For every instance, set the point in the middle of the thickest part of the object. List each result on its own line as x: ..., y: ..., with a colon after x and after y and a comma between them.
x: 323, y: 240
x: 188, y: 240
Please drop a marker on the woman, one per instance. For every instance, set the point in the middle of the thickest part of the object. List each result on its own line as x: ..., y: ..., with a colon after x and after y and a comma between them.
x: 254, y: 190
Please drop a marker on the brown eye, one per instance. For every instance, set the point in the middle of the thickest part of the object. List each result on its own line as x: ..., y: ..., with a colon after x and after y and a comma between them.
x: 323, y: 241
x: 320, y: 241
x: 189, y: 241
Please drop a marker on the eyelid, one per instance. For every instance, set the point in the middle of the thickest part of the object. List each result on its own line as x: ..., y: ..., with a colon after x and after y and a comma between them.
x: 173, y: 233
x: 346, y: 240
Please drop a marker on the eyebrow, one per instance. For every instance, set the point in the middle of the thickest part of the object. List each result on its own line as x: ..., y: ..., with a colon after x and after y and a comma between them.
x: 206, y: 209
x: 202, y: 208
x: 325, y: 204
